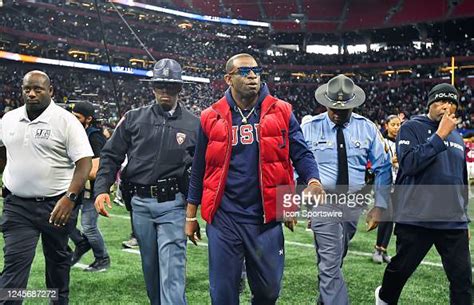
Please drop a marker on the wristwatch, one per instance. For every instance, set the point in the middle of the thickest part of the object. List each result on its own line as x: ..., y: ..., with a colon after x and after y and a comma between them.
x: 71, y: 196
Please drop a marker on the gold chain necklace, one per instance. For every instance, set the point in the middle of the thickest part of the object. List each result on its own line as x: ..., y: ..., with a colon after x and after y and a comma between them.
x: 245, y: 118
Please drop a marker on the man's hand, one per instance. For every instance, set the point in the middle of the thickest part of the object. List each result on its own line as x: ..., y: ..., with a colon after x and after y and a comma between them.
x: 315, y: 191
x: 373, y: 218
x: 446, y: 125
x: 99, y: 204
x: 62, y: 211
x: 291, y: 224
x: 193, y: 231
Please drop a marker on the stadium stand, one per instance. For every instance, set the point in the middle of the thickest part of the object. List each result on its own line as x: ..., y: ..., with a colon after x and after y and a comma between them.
x: 293, y: 75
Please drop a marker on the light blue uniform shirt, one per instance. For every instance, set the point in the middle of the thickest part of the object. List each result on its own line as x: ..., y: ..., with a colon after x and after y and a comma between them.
x: 363, y: 143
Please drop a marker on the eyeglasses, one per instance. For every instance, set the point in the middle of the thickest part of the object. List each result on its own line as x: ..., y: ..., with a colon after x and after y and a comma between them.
x: 245, y: 71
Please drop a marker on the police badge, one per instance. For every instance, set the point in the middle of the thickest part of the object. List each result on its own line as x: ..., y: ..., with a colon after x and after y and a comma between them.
x: 180, y: 137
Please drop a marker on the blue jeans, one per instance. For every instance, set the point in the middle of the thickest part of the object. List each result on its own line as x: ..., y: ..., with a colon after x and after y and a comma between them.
x: 90, y: 230
x: 159, y: 227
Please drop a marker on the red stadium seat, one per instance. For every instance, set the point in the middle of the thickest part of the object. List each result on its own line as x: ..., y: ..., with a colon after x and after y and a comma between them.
x: 357, y: 16
x: 207, y: 7
x: 279, y: 9
x: 286, y: 26
x: 416, y: 11
x: 323, y: 9
x: 464, y: 9
x: 321, y: 27
x: 244, y: 9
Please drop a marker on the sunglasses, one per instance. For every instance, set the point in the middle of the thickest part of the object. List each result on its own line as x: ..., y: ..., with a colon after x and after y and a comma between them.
x: 245, y: 71
x: 168, y: 87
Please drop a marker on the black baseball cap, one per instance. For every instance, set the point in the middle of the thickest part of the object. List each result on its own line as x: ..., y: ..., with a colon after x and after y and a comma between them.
x: 85, y: 108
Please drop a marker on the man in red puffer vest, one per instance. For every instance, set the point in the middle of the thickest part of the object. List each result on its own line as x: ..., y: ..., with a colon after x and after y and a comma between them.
x: 248, y: 144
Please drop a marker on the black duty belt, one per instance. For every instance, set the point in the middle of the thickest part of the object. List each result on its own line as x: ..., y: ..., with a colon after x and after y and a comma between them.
x: 6, y: 192
x: 163, y: 190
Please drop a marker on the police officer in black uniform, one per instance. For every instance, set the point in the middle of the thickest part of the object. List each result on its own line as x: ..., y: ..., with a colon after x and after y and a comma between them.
x: 159, y: 141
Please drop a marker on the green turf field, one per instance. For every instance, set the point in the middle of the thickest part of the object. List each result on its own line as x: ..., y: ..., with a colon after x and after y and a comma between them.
x: 123, y: 283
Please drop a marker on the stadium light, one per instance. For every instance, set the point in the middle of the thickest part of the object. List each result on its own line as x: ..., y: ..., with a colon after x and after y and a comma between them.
x: 401, y: 71
x: 190, y: 15
x: 88, y: 66
x: 185, y: 25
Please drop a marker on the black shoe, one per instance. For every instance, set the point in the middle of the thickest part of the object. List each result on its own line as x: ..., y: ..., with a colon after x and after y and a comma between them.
x: 80, y: 250
x: 99, y: 265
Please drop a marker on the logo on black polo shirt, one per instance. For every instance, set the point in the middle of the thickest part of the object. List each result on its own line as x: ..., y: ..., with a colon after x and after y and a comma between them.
x: 42, y: 134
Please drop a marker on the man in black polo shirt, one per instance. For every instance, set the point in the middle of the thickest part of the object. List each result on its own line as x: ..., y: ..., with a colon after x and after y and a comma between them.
x: 90, y: 238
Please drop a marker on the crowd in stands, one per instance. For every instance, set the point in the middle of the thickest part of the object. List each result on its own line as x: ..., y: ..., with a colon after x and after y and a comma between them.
x: 196, y: 45
x: 390, y: 53
x: 383, y: 98
x: 202, y: 53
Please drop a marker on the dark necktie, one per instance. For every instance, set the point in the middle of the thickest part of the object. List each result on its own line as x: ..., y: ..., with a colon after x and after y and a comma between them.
x: 342, y: 167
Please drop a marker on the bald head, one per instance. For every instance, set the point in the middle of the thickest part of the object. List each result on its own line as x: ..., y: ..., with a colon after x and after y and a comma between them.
x: 230, y: 63
x: 40, y: 75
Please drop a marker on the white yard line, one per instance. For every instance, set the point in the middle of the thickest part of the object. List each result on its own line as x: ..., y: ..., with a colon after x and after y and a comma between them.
x: 134, y: 251
x: 358, y: 253
x: 119, y: 216
x: 80, y: 266
x: 292, y: 243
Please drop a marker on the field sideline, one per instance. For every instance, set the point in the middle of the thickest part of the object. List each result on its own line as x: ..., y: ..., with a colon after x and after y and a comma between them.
x: 123, y: 283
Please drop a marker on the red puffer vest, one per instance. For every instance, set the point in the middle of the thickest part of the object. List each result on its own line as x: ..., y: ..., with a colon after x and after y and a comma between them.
x: 274, y: 154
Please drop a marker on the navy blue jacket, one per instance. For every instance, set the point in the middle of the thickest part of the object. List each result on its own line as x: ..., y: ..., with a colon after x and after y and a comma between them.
x: 431, y: 185
x: 242, y: 197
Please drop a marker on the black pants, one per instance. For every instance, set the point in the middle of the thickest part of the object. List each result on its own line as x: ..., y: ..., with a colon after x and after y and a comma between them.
x: 384, y: 232
x: 413, y: 242
x: 22, y: 223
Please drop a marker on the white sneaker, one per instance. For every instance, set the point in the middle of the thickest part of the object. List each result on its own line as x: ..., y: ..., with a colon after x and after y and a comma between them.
x: 386, y: 258
x: 119, y: 202
x: 378, y: 300
x: 377, y: 257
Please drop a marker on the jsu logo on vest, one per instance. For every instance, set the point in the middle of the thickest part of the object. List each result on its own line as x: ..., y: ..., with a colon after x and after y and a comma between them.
x: 245, y: 134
